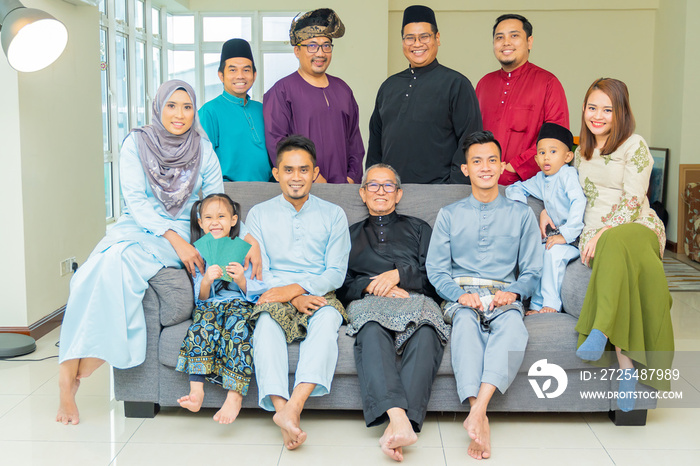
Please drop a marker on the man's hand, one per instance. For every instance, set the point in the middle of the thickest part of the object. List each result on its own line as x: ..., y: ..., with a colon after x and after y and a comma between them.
x: 471, y: 300
x: 254, y: 257
x: 544, y: 221
x: 320, y: 179
x: 555, y: 239
x: 397, y: 292
x: 382, y: 284
x: 350, y: 180
x: 509, y: 168
x: 502, y: 298
x: 281, y: 294
x: 308, y: 304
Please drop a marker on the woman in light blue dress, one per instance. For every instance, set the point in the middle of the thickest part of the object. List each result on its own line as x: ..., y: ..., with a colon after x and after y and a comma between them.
x: 162, y: 168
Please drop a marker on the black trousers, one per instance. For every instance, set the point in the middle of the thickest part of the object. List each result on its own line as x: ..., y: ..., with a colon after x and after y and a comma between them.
x: 384, y: 384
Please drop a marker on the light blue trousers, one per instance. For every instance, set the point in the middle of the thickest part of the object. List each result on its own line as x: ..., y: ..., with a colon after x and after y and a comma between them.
x: 555, y: 262
x: 483, y: 357
x: 318, y: 354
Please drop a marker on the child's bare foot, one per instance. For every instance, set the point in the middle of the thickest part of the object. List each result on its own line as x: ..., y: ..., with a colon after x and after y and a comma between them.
x: 477, y: 426
x: 194, y: 400
x: 531, y: 311
x: 67, y: 407
x: 289, y: 419
x: 229, y: 411
x: 398, y: 434
x: 546, y: 309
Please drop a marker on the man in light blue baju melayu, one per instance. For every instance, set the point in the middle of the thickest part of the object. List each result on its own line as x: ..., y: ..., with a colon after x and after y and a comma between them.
x: 476, y: 247
x: 305, y: 245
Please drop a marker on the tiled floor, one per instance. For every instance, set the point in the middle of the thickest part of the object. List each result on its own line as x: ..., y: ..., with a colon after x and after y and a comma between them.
x: 29, y: 435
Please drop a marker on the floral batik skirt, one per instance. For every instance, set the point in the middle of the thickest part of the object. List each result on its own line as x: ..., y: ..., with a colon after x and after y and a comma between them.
x: 219, y: 344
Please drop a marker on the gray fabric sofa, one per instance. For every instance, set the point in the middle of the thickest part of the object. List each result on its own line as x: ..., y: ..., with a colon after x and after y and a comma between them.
x: 168, y: 305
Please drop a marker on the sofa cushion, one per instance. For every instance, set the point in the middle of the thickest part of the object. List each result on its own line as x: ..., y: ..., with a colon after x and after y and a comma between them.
x: 175, y: 296
x: 574, y: 286
x: 171, y: 339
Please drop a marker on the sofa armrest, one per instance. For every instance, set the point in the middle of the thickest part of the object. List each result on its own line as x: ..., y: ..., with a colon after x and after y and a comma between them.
x: 140, y: 383
x: 173, y: 289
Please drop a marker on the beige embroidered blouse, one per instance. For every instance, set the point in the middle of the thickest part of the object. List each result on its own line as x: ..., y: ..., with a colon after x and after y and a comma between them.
x: 616, y: 186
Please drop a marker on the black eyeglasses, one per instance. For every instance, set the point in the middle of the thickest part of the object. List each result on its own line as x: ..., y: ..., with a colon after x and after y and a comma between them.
x: 423, y: 38
x: 374, y: 187
x: 313, y: 48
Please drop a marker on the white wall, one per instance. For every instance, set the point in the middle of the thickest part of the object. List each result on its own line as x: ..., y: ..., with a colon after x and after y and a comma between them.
x: 56, y: 161
x: 12, y: 275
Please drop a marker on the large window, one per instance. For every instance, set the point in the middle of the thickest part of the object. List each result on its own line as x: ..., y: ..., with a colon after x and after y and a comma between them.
x: 130, y: 54
x: 194, y: 43
x: 139, y: 41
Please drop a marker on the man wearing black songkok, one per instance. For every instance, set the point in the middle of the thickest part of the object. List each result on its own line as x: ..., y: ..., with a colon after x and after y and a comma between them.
x: 422, y: 113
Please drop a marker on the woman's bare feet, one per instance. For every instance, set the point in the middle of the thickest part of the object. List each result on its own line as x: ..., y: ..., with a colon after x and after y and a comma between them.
x: 546, y: 310
x: 229, y: 411
x: 67, y: 408
x: 398, y: 434
x: 477, y: 426
x: 289, y: 420
x: 194, y: 400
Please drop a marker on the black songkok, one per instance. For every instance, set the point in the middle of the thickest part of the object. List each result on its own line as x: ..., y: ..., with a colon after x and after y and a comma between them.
x: 558, y: 132
x: 418, y: 14
x: 235, y: 48
x: 323, y: 22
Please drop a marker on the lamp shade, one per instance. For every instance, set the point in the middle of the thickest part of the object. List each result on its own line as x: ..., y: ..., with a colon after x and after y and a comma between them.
x: 32, y: 39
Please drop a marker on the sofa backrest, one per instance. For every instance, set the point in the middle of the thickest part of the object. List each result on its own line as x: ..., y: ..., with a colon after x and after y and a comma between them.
x: 419, y: 200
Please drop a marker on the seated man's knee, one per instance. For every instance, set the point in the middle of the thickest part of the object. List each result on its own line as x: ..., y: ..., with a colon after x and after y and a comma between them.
x: 326, y: 316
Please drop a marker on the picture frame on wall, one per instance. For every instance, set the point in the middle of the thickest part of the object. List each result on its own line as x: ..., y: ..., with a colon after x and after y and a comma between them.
x: 659, y: 176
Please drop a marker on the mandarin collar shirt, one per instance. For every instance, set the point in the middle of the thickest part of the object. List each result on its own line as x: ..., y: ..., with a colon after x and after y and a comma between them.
x: 485, y: 240
x: 309, y: 247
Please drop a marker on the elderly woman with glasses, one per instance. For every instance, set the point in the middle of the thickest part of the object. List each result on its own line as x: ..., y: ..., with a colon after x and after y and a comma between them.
x: 391, y: 311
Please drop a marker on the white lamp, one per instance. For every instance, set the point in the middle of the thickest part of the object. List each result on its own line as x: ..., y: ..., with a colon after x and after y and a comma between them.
x: 32, y: 39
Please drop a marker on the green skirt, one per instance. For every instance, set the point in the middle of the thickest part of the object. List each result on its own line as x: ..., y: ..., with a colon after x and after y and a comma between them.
x: 628, y: 300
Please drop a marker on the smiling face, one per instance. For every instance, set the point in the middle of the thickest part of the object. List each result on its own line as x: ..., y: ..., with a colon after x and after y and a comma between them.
x: 238, y: 76
x: 419, y: 54
x: 598, y: 115
x: 380, y: 202
x: 177, y: 114
x: 313, y: 64
x: 511, y: 46
x: 483, y: 168
x: 295, y: 173
x: 551, y: 155
x: 217, y: 218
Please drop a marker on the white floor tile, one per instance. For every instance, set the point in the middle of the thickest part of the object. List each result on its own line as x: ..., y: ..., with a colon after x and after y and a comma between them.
x: 669, y: 428
x: 100, y: 421
x: 526, y: 430
x: 654, y: 457
x: 194, y: 454
x: 36, y: 453
x: 317, y: 455
x: 176, y: 426
x: 532, y: 456
x: 690, y: 298
x: 23, y: 378
x: 7, y: 402
x: 95, y: 385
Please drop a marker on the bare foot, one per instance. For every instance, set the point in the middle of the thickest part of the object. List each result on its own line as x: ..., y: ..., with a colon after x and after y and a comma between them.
x: 288, y: 419
x: 229, y: 411
x: 546, y: 309
x: 67, y: 408
x: 531, y: 311
x: 194, y: 400
x: 477, y: 426
x: 397, y: 435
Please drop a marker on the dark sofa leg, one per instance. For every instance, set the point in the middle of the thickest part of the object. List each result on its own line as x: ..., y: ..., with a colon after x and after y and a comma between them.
x: 141, y: 409
x: 637, y: 417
